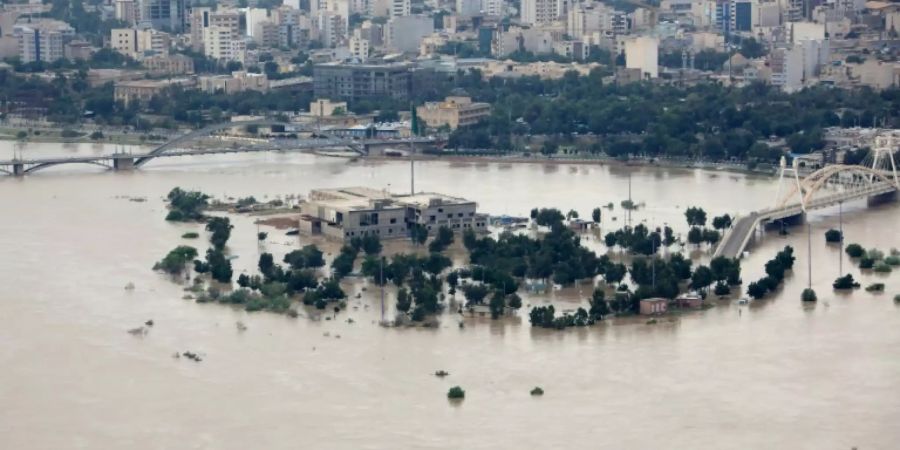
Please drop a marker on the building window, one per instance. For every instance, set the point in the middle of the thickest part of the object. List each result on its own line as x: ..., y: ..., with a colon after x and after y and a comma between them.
x: 460, y: 215
x: 431, y: 219
x: 393, y: 220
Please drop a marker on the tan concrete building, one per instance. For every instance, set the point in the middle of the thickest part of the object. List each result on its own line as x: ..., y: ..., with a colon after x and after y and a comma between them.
x: 346, y: 213
x: 651, y: 306
x: 238, y: 81
x: 453, y: 112
x: 144, y: 90
x: 324, y: 107
x: 169, y: 64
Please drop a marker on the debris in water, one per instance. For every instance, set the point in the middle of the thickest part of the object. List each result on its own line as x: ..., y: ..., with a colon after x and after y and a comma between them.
x: 192, y: 356
x: 129, y: 287
x: 139, y: 331
x: 337, y: 336
x: 240, y: 326
x: 149, y: 323
x: 441, y: 373
x: 350, y: 320
x: 326, y: 334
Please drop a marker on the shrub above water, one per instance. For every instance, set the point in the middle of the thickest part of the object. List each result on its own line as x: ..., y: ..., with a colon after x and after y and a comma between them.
x: 456, y: 393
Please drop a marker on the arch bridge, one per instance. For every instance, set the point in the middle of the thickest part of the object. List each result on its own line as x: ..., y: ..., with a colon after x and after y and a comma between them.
x: 876, y: 181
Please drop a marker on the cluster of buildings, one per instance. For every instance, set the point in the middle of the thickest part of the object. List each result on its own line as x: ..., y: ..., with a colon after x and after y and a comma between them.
x: 346, y: 213
x: 374, y: 49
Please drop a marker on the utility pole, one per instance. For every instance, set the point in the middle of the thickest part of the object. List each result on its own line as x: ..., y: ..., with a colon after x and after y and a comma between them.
x: 381, y: 277
x: 809, y: 252
x: 841, y: 230
x: 412, y: 168
x: 630, y: 204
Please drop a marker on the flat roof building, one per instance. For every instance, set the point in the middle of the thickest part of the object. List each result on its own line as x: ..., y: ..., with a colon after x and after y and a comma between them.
x: 453, y: 112
x: 345, y: 213
x: 354, y: 82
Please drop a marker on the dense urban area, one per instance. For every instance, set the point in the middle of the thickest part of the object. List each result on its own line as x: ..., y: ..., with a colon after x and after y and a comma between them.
x: 717, y: 80
x: 463, y: 216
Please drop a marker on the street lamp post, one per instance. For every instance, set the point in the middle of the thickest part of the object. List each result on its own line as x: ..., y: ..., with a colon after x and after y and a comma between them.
x: 841, y: 241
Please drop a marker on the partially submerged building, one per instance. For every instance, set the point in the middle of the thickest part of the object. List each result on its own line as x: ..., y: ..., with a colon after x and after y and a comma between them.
x: 346, y: 213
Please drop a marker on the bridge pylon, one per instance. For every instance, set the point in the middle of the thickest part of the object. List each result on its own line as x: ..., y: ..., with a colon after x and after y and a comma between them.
x: 883, y: 156
x: 793, y: 175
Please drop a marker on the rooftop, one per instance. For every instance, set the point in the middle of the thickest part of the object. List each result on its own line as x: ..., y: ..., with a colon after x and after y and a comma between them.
x: 361, y: 198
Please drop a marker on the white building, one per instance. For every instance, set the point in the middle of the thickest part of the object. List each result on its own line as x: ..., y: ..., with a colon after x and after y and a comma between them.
x: 126, y: 11
x: 589, y: 17
x: 493, y: 8
x: 138, y: 42
x: 331, y: 27
x: 798, y: 65
x: 266, y: 34
x: 203, y: 18
x: 359, y: 48
x: 405, y: 34
x: 236, y: 82
x: 42, y: 40
x: 253, y: 17
x: 218, y: 42
x: 643, y: 53
x: 539, y: 12
x: 400, y: 8
x: 468, y: 7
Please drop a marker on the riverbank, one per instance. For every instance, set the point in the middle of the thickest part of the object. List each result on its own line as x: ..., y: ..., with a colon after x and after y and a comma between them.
x: 597, y: 161
x: 43, y: 134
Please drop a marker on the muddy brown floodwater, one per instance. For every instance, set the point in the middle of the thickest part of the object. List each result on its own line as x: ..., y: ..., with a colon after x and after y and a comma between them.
x: 776, y: 375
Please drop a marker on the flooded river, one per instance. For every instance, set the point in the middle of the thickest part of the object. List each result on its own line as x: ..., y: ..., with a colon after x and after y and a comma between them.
x: 776, y: 375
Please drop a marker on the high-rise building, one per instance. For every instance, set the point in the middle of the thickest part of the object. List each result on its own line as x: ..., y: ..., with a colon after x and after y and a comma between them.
x: 742, y: 13
x: 359, y: 48
x: 468, y: 7
x: 126, y: 11
x: 354, y: 82
x: 643, y: 53
x: 405, y: 34
x: 400, y: 8
x: 253, y: 16
x: 163, y: 14
x: 137, y: 42
x: 492, y: 8
x: 203, y: 18
x: 539, y: 12
x: 266, y: 34
x: 218, y: 42
x: 332, y: 28
x: 42, y: 40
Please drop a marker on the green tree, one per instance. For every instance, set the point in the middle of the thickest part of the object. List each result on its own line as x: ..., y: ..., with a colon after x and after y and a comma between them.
x: 721, y: 222
x: 176, y: 260
x: 702, y: 278
x: 599, y: 306
x: 404, y: 300
x: 220, y: 227
x: 497, y: 304
x: 475, y: 293
x: 596, y: 215
x: 696, y: 217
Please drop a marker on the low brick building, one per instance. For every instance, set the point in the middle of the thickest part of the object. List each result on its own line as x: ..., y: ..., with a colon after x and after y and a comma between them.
x: 655, y: 305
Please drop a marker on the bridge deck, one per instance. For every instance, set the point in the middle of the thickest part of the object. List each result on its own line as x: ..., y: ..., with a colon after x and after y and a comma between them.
x: 735, y: 241
x: 291, y: 145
